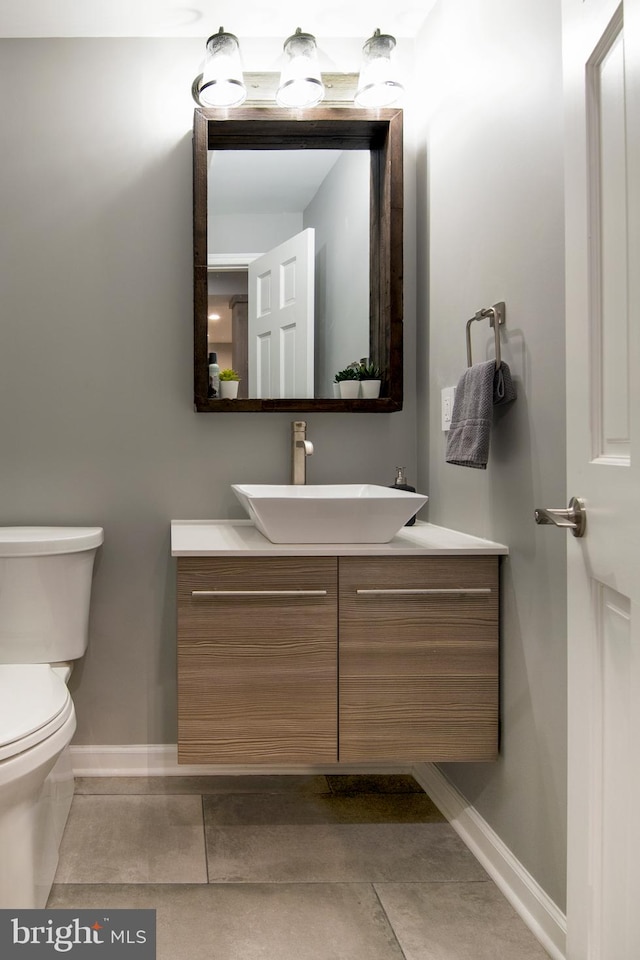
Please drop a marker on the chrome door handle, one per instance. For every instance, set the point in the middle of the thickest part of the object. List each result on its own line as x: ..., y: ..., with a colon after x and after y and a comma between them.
x: 574, y: 517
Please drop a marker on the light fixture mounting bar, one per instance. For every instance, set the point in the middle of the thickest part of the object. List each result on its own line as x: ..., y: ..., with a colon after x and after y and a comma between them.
x: 262, y: 86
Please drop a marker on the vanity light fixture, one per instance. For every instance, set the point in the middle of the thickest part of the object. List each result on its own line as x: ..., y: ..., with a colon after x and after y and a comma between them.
x: 300, y: 81
x: 221, y: 83
x: 378, y: 85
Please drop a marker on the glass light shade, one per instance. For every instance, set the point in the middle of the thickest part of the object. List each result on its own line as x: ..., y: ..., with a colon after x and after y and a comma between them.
x: 222, y: 84
x: 378, y: 84
x: 300, y: 82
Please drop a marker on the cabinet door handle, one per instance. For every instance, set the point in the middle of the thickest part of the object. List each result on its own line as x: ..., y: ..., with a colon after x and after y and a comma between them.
x: 425, y: 591
x: 214, y: 594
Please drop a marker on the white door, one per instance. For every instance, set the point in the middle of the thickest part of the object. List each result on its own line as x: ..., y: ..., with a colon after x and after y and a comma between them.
x: 280, y: 324
x: 601, y: 49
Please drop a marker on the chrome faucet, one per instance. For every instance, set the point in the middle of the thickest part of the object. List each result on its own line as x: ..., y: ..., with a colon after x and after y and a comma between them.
x: 301, y: 448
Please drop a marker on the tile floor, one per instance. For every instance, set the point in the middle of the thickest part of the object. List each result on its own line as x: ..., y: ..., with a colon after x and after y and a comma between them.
x: 285, y: 868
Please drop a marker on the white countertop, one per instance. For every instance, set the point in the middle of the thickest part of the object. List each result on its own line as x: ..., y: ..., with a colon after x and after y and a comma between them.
x: 218, y: 538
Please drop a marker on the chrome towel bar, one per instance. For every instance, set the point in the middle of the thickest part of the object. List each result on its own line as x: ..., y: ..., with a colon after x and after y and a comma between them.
x: 496, y: 315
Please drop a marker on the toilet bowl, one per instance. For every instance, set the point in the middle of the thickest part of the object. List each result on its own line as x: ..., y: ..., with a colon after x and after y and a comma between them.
x: 45, y: 578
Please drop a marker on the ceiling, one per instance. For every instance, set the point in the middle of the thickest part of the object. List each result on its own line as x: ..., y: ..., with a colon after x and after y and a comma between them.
x: 198, y: 18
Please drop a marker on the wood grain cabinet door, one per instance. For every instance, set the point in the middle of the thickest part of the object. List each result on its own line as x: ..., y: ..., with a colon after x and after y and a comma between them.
x: 418, y: 658
x: 257, y: 660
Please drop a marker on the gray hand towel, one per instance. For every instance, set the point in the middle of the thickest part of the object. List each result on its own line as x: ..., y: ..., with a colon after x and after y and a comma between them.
x: 480, y: 387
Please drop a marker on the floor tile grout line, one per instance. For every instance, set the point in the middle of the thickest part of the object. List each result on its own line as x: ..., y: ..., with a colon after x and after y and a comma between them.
x: 204, y: 839
x: 317, y: 882
x: 263, y: 883
x: 388, y: 919
x: 308, y: 883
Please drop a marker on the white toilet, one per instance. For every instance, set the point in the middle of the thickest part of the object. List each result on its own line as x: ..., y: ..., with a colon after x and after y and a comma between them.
x: 45, y: 587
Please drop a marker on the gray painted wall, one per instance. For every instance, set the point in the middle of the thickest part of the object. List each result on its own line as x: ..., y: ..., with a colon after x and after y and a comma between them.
x: 339, y: 214
x: 251, y: 233
x: 490, y: 227
x: 96, y: 416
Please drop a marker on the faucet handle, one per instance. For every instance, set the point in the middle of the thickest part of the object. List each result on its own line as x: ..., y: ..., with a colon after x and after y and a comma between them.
x: 301, y: 448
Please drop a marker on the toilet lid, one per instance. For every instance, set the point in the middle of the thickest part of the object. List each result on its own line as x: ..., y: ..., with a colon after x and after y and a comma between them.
x: 47, y: 541
x: 34, y: 702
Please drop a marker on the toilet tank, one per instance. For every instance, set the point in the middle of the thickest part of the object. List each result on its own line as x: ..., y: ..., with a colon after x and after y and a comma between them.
x: 45, y: 589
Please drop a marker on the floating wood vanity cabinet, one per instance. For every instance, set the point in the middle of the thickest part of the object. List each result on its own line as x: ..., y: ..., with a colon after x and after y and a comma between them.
x: 318, y: 659
x: 418, y: 658
x: 257, y: 655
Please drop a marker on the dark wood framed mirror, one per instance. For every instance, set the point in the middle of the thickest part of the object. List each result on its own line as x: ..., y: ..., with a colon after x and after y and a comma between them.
x: 379, y: 132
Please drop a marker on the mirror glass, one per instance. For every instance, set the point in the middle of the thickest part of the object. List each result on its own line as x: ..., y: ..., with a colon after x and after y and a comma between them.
x: 297, y: 239
x: 300, y: 217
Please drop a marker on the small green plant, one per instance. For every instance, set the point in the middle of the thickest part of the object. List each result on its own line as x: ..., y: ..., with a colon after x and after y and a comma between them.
x: 349, y: 373
x: 368, y: 370
x: 229, y: 374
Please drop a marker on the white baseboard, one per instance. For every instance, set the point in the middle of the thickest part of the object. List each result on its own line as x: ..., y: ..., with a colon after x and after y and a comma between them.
x: 545, y: 920
x: 161, y: 760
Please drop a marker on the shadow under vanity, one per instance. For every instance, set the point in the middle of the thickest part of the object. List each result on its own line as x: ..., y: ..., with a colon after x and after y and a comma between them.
x: 312, y: 654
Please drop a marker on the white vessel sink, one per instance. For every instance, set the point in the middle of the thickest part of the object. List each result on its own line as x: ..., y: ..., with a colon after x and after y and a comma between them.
x: 328, y: 513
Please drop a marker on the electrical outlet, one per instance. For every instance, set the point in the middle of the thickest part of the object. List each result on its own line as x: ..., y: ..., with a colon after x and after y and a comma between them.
x: 448, y: 397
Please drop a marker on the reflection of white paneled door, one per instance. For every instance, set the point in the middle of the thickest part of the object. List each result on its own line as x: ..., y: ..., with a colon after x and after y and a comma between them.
x: 281, y: 297
x: 601, y: 41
